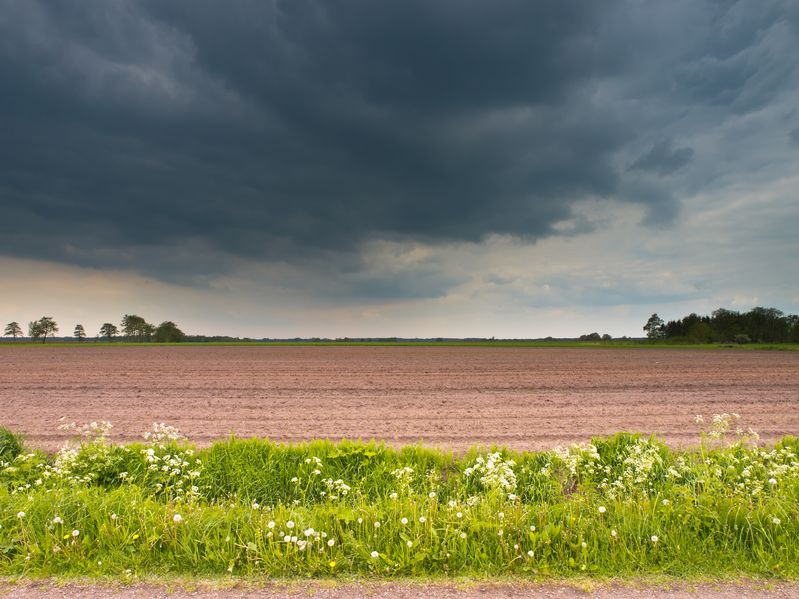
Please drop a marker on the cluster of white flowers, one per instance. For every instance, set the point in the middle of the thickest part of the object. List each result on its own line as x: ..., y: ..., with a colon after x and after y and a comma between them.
x: 641, y: 462
x: 305, y: 539
x: 162, y: 433
x: 335, y: 488
x: 172, y: 472
x: 722, y: 425
x: 93, y: 430
x: 578, y: 457
x: 404, y: 478
x: 493, y: 472
x: 754, y: 471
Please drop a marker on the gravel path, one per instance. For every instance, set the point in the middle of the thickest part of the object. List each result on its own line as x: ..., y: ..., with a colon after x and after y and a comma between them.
x: 399, y: 590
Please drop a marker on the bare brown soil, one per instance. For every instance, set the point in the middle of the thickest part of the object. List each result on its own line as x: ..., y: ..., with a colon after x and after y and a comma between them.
x: 447, y: 397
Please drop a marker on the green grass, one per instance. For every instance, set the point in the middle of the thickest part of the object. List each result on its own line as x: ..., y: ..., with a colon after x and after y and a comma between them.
x: 613, y: 344
x: 625, y: 506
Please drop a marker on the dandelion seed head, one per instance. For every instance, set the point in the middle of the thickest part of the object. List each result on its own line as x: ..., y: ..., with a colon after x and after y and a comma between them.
x: 331, y: 542
x: 654, y: 538
x: 75, y: 533
x: 20, y: 514
x: 602, y: 509
x: 177, y: 518
x: 463, y: 535
x: 270, y: 524
x: 290, y: 524
x: 404, y: 520
x: 422, y: 519
x: 409, y: 543
x: 374, y: 554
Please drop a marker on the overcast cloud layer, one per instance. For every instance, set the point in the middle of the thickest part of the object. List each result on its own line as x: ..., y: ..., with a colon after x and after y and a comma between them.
x: 392, y: 153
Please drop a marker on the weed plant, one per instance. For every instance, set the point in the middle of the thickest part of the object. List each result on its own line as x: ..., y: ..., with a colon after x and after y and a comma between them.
x: 621, y: 506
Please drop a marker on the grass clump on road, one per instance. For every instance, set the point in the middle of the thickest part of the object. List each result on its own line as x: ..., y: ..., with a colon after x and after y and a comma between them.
x: 620, y: 506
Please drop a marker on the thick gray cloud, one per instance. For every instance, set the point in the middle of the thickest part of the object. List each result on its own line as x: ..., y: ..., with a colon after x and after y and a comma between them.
x: 168, y: 137
x: 663, y: 158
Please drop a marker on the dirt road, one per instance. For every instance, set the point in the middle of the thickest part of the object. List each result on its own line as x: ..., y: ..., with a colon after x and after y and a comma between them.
x: 393, y: 590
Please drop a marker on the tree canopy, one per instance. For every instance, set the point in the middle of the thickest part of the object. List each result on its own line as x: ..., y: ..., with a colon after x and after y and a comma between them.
x: 13, y: 329
x: 108, y: 330
x: 168, y: 332
x: 40, y: 329
x: 766, y: 325
x: 135, y: 328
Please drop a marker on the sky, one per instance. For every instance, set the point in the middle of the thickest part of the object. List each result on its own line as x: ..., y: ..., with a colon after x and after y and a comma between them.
x: 418, y: 168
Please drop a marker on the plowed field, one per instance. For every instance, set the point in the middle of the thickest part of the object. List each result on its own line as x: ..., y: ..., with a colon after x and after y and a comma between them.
x: 448, y: 397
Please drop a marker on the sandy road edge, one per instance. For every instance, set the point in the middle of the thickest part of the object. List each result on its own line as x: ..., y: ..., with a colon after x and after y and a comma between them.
x: 403, y: 589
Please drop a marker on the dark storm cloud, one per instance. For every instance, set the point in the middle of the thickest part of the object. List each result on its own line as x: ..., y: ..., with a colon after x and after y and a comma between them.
x: 663, y: 158
x: 277, y: 130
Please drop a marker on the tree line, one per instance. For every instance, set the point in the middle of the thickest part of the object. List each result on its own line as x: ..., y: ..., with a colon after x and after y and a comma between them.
x: 764, y: 325
x: 132, y: 328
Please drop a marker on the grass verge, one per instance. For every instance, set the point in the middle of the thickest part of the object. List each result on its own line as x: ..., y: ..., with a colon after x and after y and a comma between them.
x: 624, y: 506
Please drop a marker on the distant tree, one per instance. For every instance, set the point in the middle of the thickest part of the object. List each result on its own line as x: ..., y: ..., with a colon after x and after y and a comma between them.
x: 606, y: 337
x: 79, y: 333
x: 591, y: 337
x: 39, y: 329
x: 136, y: 328
x: 794, y: 320
x: 767, y: 324
x: 168, y: 332
x: 726, y: 324
x: 108, y: 331
x: 13, y: 329
x: 654, y: 327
